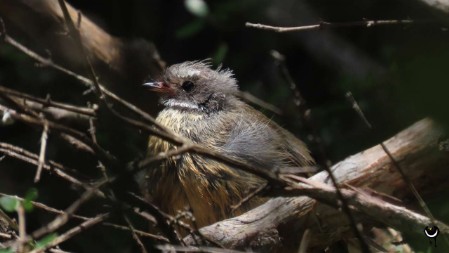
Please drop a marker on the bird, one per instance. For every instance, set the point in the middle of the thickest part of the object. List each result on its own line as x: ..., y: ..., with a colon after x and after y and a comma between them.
x: 201, y: 103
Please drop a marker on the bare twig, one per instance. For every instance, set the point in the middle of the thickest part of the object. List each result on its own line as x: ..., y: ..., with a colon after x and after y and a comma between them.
x: 72, y: 232
x: 45, y: 103
x: 165, y: 133
x: 326, y: 163
x: 161, y: 218
x: 259, y: 102
x: 395, y: 163
x: 389, y: 214
x: 74, y: 32
x: 63, y: 218
x: 84, y: 218
x: 58, y: 169
x: 304, y: 241
x: 325, y: 25
x: 22, y: 228
x: 134, y: 234
x: 41, y: 160
x: 81, y: 137
x: 249, y: 196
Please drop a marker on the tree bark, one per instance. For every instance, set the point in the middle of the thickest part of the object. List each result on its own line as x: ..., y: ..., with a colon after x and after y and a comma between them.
x: 417, y: 151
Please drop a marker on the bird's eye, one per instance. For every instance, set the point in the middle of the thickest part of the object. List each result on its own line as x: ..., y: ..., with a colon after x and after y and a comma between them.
x: 187, y: 85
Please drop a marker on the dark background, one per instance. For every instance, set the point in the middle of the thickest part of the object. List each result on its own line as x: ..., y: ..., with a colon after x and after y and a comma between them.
x: 397, y: 73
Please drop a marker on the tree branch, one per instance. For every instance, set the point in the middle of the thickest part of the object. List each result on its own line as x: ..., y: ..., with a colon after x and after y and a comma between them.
x: 415, y: 148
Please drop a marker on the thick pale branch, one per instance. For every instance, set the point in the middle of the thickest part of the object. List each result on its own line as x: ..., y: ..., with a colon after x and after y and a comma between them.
x: 415, y: 148
x: 43, y: 21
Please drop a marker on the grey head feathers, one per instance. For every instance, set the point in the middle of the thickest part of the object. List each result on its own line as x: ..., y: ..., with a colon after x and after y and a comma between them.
x: 196, y: 86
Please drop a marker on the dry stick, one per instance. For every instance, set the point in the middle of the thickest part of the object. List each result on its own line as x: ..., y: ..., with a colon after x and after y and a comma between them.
x: 161, y: 219
x: 304, y: 245
x: 395, y: 163
x: 170, y: 135
x: 5, y: 236
x: 161, y: 156
x: 83, y: 218
x: 161, y: 131
x: 257, y: 101
x: 305, y: 116
x: 74, y: 32
x: 41, y: 160
x: 49, y: 103
x: 92, y: 129
x: 147, y: 216
x: 62, y: 219
x: 164, y: 133
x: 31, y: 158
x: 249, y: 196
x: 66, y: 133
x: 22, y: 228
x: 77, y: 38
x: 134, y: 234
x: 99, y: 89
x: 393, y: 215
x: 264, y: 173
x: 61, y: 129
x: 323, y: 25
x: 72, y: 232
x: 80, y: 217
x: 10, y: 222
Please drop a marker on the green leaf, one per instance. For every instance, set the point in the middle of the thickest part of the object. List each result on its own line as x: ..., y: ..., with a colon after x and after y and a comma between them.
x: 9, y: 204
x: 6, y: 251
x: 197, y: 7
x: 29, y: 197
x: 46, y: 240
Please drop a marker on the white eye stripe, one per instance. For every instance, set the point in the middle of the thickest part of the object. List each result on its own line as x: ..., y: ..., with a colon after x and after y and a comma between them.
x: 189, y: 73
x: 174, y: 103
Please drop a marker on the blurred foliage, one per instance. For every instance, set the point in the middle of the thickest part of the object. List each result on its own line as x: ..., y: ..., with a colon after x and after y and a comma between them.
x: 414, y: 59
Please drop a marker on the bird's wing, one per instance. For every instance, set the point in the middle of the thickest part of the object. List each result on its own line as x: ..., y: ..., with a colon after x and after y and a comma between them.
x: 261, y: 142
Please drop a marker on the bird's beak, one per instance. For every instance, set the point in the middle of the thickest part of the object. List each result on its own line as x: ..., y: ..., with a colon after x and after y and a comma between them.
x: 158, y: 87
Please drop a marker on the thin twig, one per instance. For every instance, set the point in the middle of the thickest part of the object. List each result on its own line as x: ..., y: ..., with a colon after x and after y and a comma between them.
x: 326, y: 163
x: 387, y: 213
x: 249, y: 196
x: 84, y: 218
x: 58, y: 169
x: 161, y: 218
x: 134, y: 234
x: 72, y: 232
x: 74, y: 32
x: 41, y: 160
x: 62, y: 219
x: 49, y: 103
x: 325, y: 25
x: 164, y: 133
x: 395, y: 163
x: 257, y: 101
x: 22, y: 228
x: 102, y: 154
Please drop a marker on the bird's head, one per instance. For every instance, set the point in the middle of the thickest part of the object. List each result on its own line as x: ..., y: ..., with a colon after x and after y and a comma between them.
x: 194, y: 85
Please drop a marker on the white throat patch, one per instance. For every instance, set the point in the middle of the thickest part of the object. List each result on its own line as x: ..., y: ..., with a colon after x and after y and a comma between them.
x: 175, y: 103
